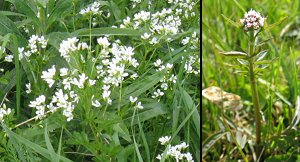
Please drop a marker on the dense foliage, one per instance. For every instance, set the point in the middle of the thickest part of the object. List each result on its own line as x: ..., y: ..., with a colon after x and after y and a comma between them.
x: 114, y: 80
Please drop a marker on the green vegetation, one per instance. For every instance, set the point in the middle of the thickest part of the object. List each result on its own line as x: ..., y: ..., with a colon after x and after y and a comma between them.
x: 112, y: 80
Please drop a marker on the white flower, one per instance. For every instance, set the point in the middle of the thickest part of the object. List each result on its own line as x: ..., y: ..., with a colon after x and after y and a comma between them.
x: 103, y: 41
x: 185, y: 40
x: 157, y: 63
x: 68, y: 46
x: 4, y: 112
x: 9, y: 58
x: 164, y: 140
x: 134, y: 76
x: 132, y: 99
x: 92, y: 82
x: 188, y: 157
x: 91, y: 9
x: 95, y: 103
x: 164, y: 86
x: 81, y: 81
x: 106, y: 94
x: 153, y: 41
x: 173, y: 78
x: 158, y: 157
x: 139, y: 105
x: 42, y: 42
x: 158, y: 93
x: 28, y: 87
x: 146, y: 36
x: 48, y: 75
x: 63, y: 71
x: 39, y: 104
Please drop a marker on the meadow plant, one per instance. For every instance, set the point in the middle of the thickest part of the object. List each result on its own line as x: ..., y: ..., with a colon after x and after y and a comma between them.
x: 253, y: 24
x: 99, y: 82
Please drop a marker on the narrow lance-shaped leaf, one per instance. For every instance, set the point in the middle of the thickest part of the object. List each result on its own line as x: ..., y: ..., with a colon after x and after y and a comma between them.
x: 210, y: 141
x: 261, y: 55
x: 234, y: 54
x: 239, y: 5
x: 242, y: 62
x: 275, y: 24
x: 265, y: 61
x: 236, y: 24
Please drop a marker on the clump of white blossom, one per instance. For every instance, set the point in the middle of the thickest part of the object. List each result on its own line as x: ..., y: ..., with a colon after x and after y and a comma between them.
x: 92, y: 9
x: 48, y: 75
x: 252, y: 20
x: 167, y: 79
x: 39, y: 104
x: 4, y: 111
x: 34, y: 43
x: 174, y: 152
x: 110, y: 65
x: 183, y: 7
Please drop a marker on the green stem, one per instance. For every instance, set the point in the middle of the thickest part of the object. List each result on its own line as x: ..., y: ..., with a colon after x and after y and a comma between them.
x: 255, y: 98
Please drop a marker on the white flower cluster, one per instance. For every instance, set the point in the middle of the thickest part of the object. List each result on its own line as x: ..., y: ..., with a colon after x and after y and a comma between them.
x: 164, y: 140
x: 161, y: 23
x: 48, y: 75
x: 191, y: 65
x: 70, y: 45
x: 166, y: 80
x: 4, y: 111
x: 252, y: 19
x: 175, y: 151
x: 183, y: 7
x: 8, y: 58
x: 92, y: 9
x: 194, y: 41
x: 40, y: 105
x: 135, y: 3
x: 112, y: 67
x: 34, y: 43
x: 65, y: 102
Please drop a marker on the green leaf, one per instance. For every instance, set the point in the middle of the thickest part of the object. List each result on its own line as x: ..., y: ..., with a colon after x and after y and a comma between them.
x: 3, y: 81
x: 261, y: 55
x: 4, y: 40
x: 234, y: 54
x: 152, y: 110
x: 57, y: 12
x: 239, y: 6
x: 107, y: 31
x: 9, y: 13
x: 236, y: 24
x: 210, y: 141
x: 37, y: 148
x: 43, y: 3
x: 265, y: 61
x: 49, y: 145
x: 275, y: 24
x: 242, y: 62
x: 22, y: 6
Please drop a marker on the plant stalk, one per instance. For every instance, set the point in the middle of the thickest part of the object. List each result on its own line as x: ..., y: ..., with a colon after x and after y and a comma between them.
x: 255, y: 98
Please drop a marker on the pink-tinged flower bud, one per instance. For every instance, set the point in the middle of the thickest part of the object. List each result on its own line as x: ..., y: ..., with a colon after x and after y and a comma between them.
x: 252, y: 20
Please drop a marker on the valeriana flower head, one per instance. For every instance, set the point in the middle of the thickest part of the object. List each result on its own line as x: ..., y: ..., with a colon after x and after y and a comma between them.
x: 252, y: 20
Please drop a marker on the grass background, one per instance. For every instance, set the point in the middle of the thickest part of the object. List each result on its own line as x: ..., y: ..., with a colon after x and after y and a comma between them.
x: 277, y: 101
x: 132, y: 135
